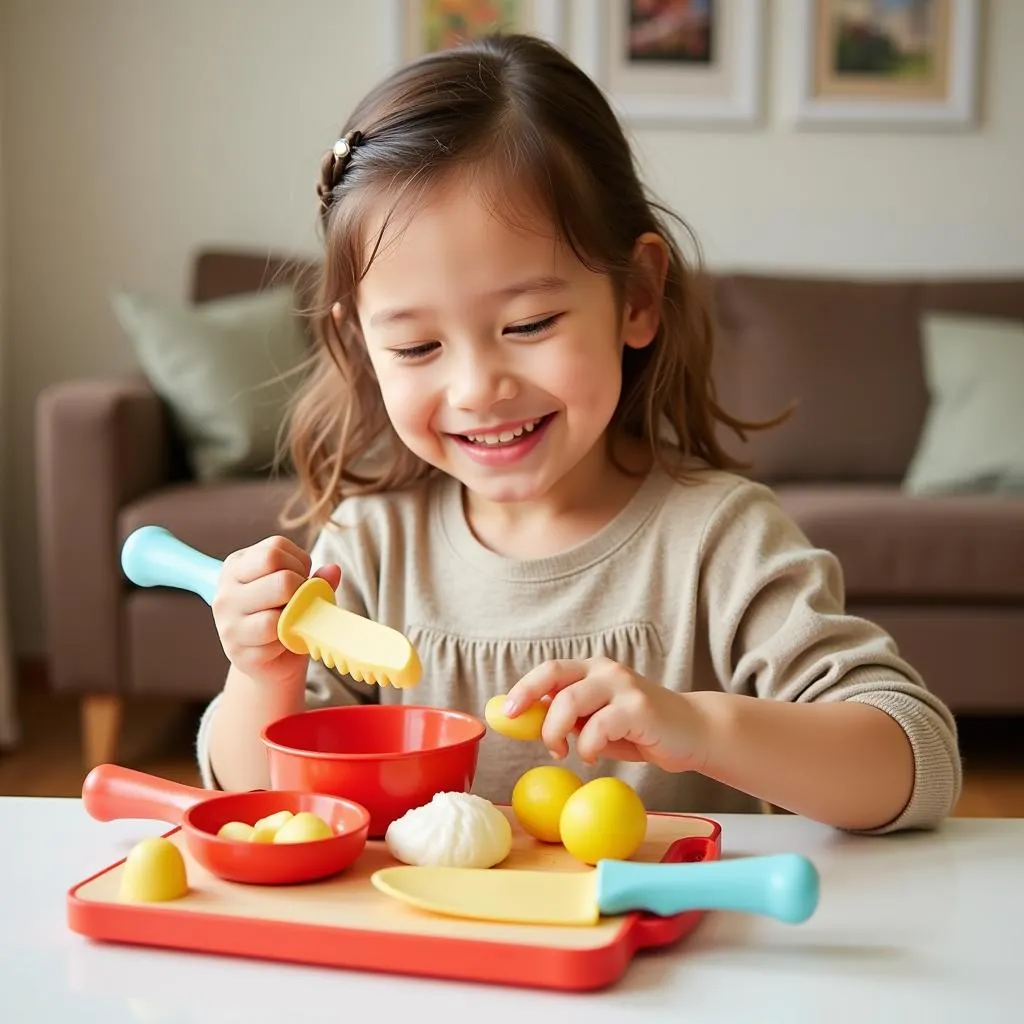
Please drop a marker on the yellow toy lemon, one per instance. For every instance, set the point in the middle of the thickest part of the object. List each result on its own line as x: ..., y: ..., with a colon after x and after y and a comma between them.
x: 526, y: 726
x: 539, y: 796
x: 605, y: 819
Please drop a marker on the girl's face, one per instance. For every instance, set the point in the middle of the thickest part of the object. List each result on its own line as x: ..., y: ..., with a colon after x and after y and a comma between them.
x: 498, y: 354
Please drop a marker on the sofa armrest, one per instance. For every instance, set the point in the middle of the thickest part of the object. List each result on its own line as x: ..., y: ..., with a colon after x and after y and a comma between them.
x: 99, y: 445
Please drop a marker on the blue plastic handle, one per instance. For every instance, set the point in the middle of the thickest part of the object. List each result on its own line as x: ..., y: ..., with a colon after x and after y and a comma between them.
x: 154, y: 557
x: 784, y: 886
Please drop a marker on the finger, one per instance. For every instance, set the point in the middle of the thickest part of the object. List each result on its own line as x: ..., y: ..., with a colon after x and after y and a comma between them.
x: 568, y: 706
x: 270, y: 657
x: 268, y: 556
x: 331, y: 574
x: 623, y: 750
x: 273, y: 591
x: 605, y: 729
x: 547, y: 677
x: 258, y: 629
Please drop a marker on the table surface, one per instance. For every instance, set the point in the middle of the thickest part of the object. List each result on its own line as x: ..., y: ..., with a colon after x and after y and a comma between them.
x: 918, y: 926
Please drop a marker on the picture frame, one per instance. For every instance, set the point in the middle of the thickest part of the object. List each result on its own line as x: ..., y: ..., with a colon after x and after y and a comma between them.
x: 421, y: 26
x: 654, y: 74
x: 915, y: 65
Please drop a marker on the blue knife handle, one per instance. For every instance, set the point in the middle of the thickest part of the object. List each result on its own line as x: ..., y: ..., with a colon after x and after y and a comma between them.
x: 784, y: 886
x: 154, y: 557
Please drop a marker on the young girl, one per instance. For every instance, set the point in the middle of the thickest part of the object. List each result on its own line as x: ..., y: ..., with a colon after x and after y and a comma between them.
x: 508, y: 449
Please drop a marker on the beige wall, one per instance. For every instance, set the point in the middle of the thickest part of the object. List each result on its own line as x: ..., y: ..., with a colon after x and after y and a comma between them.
x: 137, y: 130
x: 9, y: 728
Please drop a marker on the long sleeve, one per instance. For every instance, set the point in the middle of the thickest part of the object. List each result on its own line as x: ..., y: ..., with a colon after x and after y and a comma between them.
x: 773, y: 610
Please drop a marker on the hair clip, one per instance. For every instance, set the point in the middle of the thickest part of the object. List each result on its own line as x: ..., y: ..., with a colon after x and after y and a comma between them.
x: 332, y: 167
x: 344, y: 146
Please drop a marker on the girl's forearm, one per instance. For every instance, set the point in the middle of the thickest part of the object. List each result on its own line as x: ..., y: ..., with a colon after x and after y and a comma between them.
x: 237, y: 754
x: 846, y: 764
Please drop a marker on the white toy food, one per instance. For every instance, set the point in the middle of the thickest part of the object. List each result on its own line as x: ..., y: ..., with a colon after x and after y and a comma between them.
x: 455, y: 829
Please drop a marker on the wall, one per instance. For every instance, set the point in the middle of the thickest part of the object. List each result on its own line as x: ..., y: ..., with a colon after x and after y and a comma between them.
x: 9, y: 728
x: 138, y: 130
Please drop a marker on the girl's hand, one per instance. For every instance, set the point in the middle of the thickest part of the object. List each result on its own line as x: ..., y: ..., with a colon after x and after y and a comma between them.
x: 255, y: 585
x: 616, y: 713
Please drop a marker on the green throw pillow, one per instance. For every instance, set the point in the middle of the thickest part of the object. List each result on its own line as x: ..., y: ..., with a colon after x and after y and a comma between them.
x: 219, y: 366
x: 973, y: 436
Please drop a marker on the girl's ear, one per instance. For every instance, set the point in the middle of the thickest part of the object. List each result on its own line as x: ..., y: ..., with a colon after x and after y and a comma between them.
x: 642, y: 312
x: 338, y: 319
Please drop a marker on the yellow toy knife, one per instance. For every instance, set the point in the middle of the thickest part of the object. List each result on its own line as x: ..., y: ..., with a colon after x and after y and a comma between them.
x: 311, y: 623
x: 782, y: 885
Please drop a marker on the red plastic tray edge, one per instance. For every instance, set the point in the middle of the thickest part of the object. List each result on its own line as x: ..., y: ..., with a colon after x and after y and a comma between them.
x: 453, y: 959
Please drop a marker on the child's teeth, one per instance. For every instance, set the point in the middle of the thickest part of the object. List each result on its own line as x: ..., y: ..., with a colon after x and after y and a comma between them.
x: 504, y: 438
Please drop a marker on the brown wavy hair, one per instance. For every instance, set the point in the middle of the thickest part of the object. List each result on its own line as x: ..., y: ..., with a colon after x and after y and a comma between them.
x: 511, y: 109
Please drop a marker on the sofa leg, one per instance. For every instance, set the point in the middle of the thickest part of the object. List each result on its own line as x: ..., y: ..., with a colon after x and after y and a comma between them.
x: 101, y: 726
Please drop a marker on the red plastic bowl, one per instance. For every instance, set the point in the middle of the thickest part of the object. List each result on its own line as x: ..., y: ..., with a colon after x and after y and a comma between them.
x: 388, y: 758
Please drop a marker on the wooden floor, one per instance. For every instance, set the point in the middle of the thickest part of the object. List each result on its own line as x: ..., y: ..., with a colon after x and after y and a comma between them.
x: 159, y: 737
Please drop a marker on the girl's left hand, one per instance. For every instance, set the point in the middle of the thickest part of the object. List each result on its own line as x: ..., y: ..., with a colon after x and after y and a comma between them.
x: 616, y: 712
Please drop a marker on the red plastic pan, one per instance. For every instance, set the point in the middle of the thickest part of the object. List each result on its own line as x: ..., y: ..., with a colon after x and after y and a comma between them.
x: 111, y: 791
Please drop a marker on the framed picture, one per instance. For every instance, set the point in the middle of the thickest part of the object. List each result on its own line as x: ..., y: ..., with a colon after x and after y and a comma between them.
x: 678, y: 61
x: 881, y: 63
x: 425, y: 26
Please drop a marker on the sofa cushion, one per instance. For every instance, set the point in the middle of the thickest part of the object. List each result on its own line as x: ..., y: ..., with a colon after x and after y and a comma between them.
x: 218, y: 273
x: 982, y: 296
x: 973, y: 436
x: 846, y: 352
x: 895, y: 546
x: 226, y: 369
x: 216, y: 518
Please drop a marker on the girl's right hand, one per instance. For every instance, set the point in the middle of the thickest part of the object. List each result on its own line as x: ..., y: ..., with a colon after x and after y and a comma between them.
x: 255, y: 585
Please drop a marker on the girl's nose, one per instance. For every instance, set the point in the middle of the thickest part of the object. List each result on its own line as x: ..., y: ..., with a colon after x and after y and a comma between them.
x: 475, y: 385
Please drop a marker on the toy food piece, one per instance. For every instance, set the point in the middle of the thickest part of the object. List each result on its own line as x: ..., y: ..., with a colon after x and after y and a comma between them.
x: 240, y: 831
x: 280, y: 827
x: 604, y: 819
x: 454, y: 829
x: 526, y: 726
x: 538, y: 798
x: 304, y: 827
x: 266, y: 828
x: 153, y: 871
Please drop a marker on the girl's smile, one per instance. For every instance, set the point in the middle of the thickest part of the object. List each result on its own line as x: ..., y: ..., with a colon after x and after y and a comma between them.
x: 504, y: 444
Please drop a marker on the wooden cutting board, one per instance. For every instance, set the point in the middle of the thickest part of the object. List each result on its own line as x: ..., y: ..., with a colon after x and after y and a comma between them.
x: 345, y: 922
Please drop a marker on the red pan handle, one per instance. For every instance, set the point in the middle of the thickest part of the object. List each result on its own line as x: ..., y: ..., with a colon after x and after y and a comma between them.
x: 110, y: 791
x: 661, y: 931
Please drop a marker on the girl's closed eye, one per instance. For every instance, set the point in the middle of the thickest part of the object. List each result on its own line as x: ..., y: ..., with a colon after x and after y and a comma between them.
x: 530, y: 330
x: 415, y: 351
x: 536, y: 327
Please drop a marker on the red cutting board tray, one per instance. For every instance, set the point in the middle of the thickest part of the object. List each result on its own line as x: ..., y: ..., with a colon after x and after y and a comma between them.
x: 345, y: 922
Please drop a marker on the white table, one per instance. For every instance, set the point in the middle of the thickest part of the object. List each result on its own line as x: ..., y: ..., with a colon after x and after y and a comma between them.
x: 924, y: 927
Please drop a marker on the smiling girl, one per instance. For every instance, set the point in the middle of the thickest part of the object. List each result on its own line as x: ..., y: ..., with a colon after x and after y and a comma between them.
x: 508, y: 450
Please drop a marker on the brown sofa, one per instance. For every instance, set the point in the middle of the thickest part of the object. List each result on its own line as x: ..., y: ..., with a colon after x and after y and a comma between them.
x: 944, y: 575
